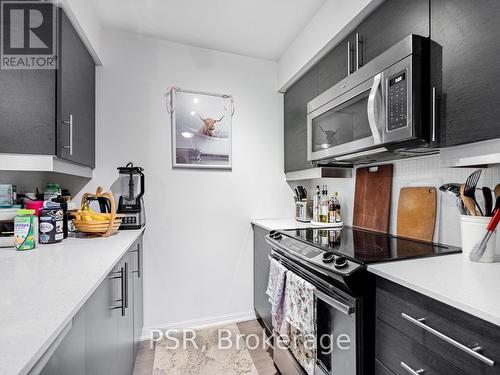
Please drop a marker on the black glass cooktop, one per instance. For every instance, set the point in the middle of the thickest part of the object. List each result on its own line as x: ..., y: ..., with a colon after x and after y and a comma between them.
x: 364, y: 246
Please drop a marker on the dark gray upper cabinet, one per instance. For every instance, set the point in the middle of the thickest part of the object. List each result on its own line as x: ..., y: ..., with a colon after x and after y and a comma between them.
x: 465, y: 58
x: 295, y: 116
x: 28, y: 111
x: 76, y: 98
x: 390, y: 23
x: 35, y: 105
x: 333, y: 67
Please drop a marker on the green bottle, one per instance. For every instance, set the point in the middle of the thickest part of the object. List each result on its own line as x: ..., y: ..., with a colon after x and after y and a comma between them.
x: 24, y: 230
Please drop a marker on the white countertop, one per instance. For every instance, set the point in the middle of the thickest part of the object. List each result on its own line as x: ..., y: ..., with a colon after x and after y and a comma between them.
x: 279, y: 224
x: 42, y: 289
x: 451, y: 279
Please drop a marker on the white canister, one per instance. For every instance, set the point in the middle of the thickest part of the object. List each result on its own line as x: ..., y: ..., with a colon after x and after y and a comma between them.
x: 473, y: 228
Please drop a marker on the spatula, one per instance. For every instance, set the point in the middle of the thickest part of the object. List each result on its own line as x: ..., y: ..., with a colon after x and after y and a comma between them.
x: 470, y: 188
x: 488, y: 201
x: 468, y: 202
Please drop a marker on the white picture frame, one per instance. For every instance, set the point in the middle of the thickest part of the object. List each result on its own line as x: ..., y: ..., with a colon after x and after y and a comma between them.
x: 201, y: 128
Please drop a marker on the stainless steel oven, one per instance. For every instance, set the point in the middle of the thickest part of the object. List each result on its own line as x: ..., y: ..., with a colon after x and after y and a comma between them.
x: 379, y: 106
x: 342, y: 337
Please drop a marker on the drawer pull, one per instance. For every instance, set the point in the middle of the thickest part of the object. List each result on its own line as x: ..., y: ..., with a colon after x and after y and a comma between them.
x: 412, y: 371
x: 473, y: 352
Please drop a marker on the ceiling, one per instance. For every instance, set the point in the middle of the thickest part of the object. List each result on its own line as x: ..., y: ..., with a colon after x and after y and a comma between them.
x: 257, y: 28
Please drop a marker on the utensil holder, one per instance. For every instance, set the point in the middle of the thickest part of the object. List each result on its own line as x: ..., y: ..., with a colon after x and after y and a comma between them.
x: 472, y: 229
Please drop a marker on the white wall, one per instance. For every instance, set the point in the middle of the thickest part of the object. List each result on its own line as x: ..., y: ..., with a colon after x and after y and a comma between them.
x: 333, y: 21
x: 198, y: 242
x: 416, y: 172
x: 83, y: 16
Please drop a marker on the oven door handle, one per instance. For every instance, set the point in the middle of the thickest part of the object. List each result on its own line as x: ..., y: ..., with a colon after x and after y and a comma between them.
x: 371, y: 110
x: 340, y: 306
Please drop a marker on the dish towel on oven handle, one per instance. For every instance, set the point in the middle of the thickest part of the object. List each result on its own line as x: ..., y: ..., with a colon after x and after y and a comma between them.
x: 300, y: 313
x: 276, y: 293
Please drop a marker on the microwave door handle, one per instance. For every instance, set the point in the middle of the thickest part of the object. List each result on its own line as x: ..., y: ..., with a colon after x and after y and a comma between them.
x: 372, y: 118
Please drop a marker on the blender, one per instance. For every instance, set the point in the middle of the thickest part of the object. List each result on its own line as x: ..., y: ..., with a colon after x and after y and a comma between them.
x: 131, y: 203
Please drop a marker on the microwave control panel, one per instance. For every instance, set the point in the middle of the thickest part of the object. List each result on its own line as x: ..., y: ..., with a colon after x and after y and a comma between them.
x: 397, y: 101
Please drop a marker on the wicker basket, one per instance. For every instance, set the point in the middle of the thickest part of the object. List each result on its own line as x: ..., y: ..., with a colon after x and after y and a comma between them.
x: 104, y: 227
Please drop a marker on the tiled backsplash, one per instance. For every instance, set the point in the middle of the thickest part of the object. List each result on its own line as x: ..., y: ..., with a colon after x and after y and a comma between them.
x: 414, y: 172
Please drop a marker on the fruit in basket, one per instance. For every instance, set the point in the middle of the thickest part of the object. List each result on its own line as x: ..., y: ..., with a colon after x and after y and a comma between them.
x: 88, y: 221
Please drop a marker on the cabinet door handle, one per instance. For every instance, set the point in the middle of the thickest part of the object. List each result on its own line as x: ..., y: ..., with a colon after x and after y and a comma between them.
x: 359, y: 55
x: 70, y: 123
x: 412, y: 371
x: 474, y: 352
x: 123, y: 281
x: 349, y: 58
x: 433, y: 114
x: 125, y: 284
x: 138, y: 251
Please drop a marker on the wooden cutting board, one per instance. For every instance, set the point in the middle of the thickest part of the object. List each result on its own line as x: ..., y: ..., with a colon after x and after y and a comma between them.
x: 372, y: 198
x: 417, y: 213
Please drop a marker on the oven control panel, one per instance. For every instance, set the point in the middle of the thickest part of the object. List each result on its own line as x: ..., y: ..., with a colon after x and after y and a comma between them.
x: 324, y: 259
x: 397, y: 101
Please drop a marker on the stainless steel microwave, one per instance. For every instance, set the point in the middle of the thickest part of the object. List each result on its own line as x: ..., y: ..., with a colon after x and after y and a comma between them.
x: 382, y: 106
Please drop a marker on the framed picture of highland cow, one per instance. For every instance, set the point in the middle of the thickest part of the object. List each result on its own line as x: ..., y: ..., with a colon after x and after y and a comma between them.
x: 201, y: 128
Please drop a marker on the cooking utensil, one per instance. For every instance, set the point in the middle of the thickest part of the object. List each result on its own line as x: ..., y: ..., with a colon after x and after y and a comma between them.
x: 470, y: 188
x: 479, y: 249
x: 417, y: 213
x: 497, y: 191
x: 452, y: 188
x: 297, y: 195
x: 302, y: 192
x: 461, y: 207
x: 372, y: 198
x: 488, y: 201
x: 468, y: 202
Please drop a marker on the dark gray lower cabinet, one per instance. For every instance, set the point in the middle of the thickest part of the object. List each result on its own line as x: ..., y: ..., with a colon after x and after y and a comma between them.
x: 101, y: 328
x: 103, y: 338
x: 261, y: 252
x: 137, y: 273
x: 69, y: 357
x: 419, y: 332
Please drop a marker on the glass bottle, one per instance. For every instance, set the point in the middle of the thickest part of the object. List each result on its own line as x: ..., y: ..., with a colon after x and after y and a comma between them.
x: 316, y: 202
x: 323, y: 215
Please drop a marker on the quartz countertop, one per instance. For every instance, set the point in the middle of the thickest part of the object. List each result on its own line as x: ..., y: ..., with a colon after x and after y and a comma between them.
x: 280, y: 224
x: 42, y: 289
x: 451, y: 279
